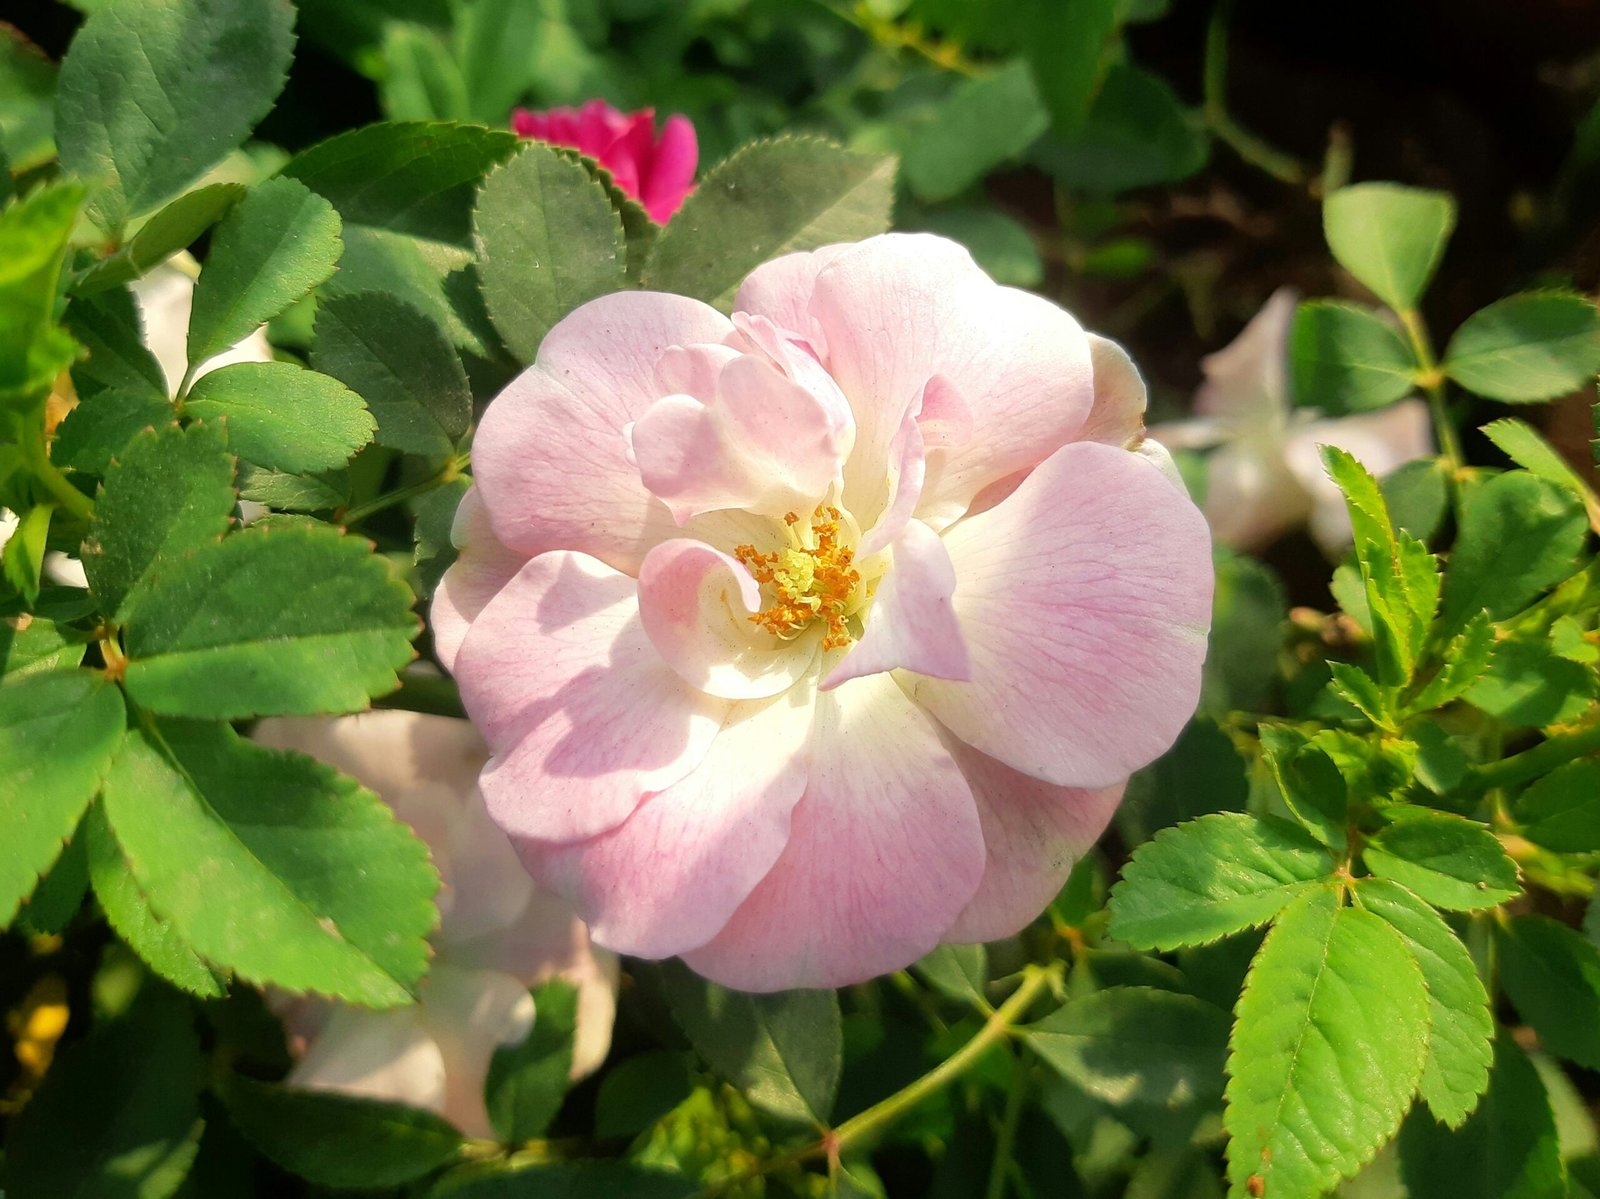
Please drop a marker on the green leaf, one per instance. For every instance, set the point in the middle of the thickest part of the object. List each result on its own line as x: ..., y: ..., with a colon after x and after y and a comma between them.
x: 782, y: 1050
x: 1553, y: 977
x: 172, y: 229
x: 547, y: 242
x: 434, y: 552
x: 32, y: 645
x: 1465, y: 661
x: 117, y: 1115
x: 271, y: 250
x: 639, y: 232
x: 171, y: 491
x: 987, y: 120
x: 58, y: 732
x: 597, y: 1179
x: 273, y: 865
x: 59, y: 895
x: 27, y: 103
x: 1136, y: 1046
x: 527, y: 1082
x: 1418, y: 495
x: 1526, y: 348
x: 421, y: 79
x: 99, y: 429
x: 1361, y: 691
x: 1559, y: 811
x: 294, y: 493
x: 1529, y: 684
x: 1448, y: 860
x: 33, y: 245
x: 395, y: 359
x: 1518, y: 536
x: 22, y: 559
x: 1519, y: 441
x: 768, y: 199
x: 282, y: 416
x: 1211, y: 877
x: 1201, y: 774
x: 957, y: 972
x: 110, y: 329
x: 635, y: 1093
x: 1389, y: 237
x: 337, y: 1140
x: 151, y: 95
x: 1002, y: 245
x: 1310, y: 782
x: 128, y: 911
x: 1331, y: 1038
x: 1068, y: 54
x: 269, y: 622
x: 1344, y: 358
x: 1138, y: 134
x: 1249, y: 612
x: 1507, y: 1150
x: 1461, y: 1029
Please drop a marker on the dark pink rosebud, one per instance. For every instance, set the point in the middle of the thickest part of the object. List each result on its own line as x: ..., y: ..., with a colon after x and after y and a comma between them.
x: 656, y: 171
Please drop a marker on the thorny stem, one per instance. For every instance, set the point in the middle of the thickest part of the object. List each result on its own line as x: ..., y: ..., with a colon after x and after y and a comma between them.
x: 1432, y: 383
x: 1245, y: 144
x: 451, y: 471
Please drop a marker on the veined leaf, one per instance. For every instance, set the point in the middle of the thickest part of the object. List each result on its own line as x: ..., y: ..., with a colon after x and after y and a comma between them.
x: 1520, y: 442
x: 1448, y: 860
x: 172, y: 229
x: 1562, y: 810
x: 1462, y: 664
x: 1527, y: 348
x: 1553, y: 977
x: 1344, y: 358
x: 282, y: 416
x: 1389, y: 237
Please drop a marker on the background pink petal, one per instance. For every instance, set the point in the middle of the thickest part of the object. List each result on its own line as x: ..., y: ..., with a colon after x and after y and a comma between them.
x: 884, y: 851
x: 671, y: 175
x: 551, y: 458
x: 482, y: 567
x: 581, y: 714
x: 1085, y: 598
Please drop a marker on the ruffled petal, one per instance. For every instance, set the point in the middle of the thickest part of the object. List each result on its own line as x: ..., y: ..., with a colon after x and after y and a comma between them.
x: 884, y: 852
x: 1033, y: 834
x: 1252, y: 496
x: 581, y: 714
x: 1120, y: 396
x: 912, y: 624
x: 671, y: 175
x: 1247, y: 380
x: 1085, y: 599
x: 780, y: 290
x: 481, y: 568
x: 668, y: 878
x: 551, y: 456
x: 696, y: 604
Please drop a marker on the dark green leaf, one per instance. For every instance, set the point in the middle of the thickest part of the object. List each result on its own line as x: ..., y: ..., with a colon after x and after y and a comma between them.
x: 770, y: 198
x: 1138, y: 133
x: 99, y: 429
x: 397, y: 361
x: 151, y: 95
x: 783, y: 1050
x: 636, y: 1093
x: 337, y: 1140
x: 171, y: 491
x: 1211, y: 877
x: 1526, y: 348
x: 1248, y: 615
x: 1201, y: 774
x: 527, y: 1082
x: 1345, y: 358
x: 436, y: 514
x: 273, y: 865
x: 109, y: 327
x: 294, y: 493
x: 1553, y: 976
x: 1520, y: 442
x: 22, y: 559
x: 1562, y: 810
x: 1529, y: 684
x: 1389, y: 237
x: 571, y: 1180
x: 1418, y: 495
x: 1448, y: 860
x: 1329, y: 1047
x: 172, y: 229
x: 270, y: 251
x: 59, y: 895
x: 987, y: 120
x: 282, y: 416
x: 547, y: 242
x: 957, y: 972
x: 1310, y: 783
x: 1068, y: 54
x: 58, y: 732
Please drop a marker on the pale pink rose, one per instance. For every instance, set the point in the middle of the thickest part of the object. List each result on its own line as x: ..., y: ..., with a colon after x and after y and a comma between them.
x: 656, y: 171
x: 499, y: 934
x: 1264, y: 476
x: 809, y: 639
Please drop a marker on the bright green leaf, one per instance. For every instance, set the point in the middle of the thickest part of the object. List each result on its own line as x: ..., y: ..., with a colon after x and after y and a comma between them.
x: 1461, y: 1029
x: 1389, y: 237
x: 1361, y: 691
x: 1520, y: 442
x: 957, y: 972
x: 1526, y: 348
x: 172, y: 229
x: 1329, y: 1047
x: 282, y: 416
x: 22, y: 558
x: 1562, y: 810
x: 527, y: 1082
x: 269, y: 622
x: 273, y: 865
x: 1418, y: 495
x: 1310, y: 782
x: 1345, y: 358
x: 151, y: 95
x: 33, y: 245
x: 1553, y: 977
x: 27, y: 102
x: 1448, y: 860
x: 1463, y: 663
x: 58, y: 732
x: 421, y: 79
x: 986, y: 121
x: 547, y: 242
x: 1213, y: 876
x: 171, y: 491
x: 768, y: 199
x: 32, y: 645
x: 1529, y: 684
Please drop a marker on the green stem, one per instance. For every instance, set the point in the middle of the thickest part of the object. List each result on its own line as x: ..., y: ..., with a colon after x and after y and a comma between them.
x: 1536, y: 762
x: 1006, y: 1139
x: 59, y: 486
x: 1432, y: 383
x: 450, y: 472
x: 1245, y: 144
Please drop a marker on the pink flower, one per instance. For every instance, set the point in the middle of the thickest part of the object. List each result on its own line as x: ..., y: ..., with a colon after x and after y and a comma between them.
x: 498, y: 936
x: 807, y: 640
x: 1264, y: 475
x: 658, y: 172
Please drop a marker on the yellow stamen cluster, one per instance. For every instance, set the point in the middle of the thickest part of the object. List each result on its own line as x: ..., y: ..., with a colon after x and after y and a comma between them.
x: 810, y: 580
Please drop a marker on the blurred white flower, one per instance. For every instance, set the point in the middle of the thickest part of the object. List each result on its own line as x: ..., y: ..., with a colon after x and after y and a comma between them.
x: 499, y: 935
x: 165, y: 297
x: 1263, y: 474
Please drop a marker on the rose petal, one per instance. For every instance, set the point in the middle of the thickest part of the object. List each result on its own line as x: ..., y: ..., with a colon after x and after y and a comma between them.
x: 1033, y: 834
x: 668, y: 878
x: 1085, y: 599
x: 1247, y: 380
x: 1117, y: 417
x: 1380, y: 441
x: 551, y: 458
x: 481, y: 568
x: 1252, y: 495
x: 884, y: 852
x: 780, y: 290
x: 472, y: 1013
x: 388, y: 1055
x: 696, y: 604
x: 912, y: 624
x: 671, y: 176
x: 582, y: 715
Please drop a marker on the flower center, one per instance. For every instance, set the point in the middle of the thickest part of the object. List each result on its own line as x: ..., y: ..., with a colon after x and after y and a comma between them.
x: 811, y: 579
